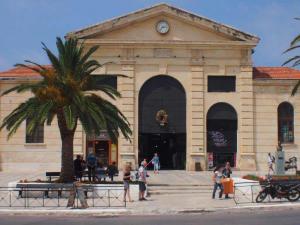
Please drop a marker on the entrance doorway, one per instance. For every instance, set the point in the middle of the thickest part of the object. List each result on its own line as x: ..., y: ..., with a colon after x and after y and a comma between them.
x: 162, y: 122
x: 221, y: 135
x: 103, y: 148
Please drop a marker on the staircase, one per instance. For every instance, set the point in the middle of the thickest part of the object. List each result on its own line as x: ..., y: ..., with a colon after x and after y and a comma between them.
x: 182, y: 189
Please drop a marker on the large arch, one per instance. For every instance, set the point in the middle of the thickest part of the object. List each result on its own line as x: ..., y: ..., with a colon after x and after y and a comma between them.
x: 162, y: 121
x: 221, y: 125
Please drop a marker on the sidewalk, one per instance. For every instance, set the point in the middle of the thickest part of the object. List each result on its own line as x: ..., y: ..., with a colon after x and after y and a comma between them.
x: 175, y: 192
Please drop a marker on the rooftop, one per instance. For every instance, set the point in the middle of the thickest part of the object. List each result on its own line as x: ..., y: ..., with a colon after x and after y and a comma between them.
x: 274, y: 73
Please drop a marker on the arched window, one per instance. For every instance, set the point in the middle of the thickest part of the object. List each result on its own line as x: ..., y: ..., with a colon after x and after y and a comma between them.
x: 37, y: 135
x: 285, y: 123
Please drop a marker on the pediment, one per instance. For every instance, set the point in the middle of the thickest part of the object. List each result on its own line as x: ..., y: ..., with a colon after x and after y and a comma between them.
x: 184, y: 26
x: 146, y: 30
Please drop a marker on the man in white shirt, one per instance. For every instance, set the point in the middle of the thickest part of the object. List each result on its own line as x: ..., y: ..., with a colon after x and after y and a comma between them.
x: 142, y: 181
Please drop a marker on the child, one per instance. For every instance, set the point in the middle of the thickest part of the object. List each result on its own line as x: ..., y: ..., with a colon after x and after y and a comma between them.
x: 218, y: 175
x: 126, y: 180
x: 155, y: 162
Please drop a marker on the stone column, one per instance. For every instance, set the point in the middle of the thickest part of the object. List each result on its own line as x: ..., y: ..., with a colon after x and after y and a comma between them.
x: 246, y: 121
x: 196, y: 129
x: 127, y: 106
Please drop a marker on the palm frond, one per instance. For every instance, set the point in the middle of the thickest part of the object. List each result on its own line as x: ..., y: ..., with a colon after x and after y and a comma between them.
x: 296, y: 63
x: 35, y: 69
x: 295, y: 40
x: 70, y: 116
x: 88, y: 54
x: 295, y: 89
x: 53, y: 59
x: 32, y: 108
x: 290, y: 60
x: 291, y: 48
x: 22, y: 88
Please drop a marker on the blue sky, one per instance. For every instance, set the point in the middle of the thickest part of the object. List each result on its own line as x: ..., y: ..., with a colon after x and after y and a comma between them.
x: 25, y: 23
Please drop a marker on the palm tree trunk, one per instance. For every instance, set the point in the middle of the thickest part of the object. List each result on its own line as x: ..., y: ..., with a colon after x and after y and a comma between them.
x: 67, y: 138
x: 67, y: 169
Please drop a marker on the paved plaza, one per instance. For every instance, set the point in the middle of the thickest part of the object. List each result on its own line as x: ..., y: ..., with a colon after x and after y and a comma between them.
x: 171, y: 192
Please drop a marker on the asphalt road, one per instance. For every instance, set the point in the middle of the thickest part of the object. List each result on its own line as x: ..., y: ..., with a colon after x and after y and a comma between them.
x: 287, y: 216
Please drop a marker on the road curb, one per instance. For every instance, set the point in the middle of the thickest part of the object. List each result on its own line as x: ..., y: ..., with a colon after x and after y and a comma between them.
x: 128, y: 211
x: 73, y: 212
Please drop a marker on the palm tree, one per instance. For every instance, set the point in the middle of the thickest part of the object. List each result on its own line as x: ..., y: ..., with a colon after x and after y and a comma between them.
x: 295, y: 60
x: 67, y: 92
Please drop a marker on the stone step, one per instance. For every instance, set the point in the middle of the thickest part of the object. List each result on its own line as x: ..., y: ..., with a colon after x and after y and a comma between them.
x: 179, y: 185
x: 183, y: 189
x: 180, y: 188
x: 177, y: 192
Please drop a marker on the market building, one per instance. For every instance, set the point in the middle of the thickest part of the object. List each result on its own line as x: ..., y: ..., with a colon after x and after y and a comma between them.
x: 191, y: 94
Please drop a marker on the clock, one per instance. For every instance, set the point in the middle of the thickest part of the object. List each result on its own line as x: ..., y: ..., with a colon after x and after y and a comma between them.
x: 162, y: 27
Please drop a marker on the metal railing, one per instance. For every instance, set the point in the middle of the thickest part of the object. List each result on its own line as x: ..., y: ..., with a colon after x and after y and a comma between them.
x: 246, y: 192
x: 27, y: 197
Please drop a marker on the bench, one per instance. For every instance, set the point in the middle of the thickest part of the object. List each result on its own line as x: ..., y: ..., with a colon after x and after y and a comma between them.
x: 49, y: 175
x: 102, y: 175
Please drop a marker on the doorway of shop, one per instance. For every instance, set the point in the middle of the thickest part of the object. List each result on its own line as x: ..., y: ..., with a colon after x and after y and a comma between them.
x: 221, y: 135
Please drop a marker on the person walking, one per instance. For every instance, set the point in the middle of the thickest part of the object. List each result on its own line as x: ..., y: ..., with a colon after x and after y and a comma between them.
x: 126, y: 182
x: 226, y: 173
x: 271, y: 160
x: 217, y: 177
x: 91, y: 161
x: 156, y: 164
x: 142, y: 181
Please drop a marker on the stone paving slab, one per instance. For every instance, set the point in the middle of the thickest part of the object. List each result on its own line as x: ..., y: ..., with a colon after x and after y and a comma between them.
x: 157, y: 204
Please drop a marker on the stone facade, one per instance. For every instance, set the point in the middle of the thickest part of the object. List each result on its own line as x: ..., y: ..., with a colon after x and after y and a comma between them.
x: 193, y: 49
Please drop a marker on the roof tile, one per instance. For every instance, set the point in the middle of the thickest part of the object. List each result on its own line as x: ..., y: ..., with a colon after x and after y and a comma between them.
x: 278, y: 73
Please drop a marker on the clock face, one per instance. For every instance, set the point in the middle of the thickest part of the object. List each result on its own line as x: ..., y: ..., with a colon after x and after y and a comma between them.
x: 162, y: 27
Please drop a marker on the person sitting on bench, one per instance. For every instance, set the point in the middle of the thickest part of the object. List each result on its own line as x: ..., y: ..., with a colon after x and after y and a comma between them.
x: 112, y: 170
x: 100, y: 172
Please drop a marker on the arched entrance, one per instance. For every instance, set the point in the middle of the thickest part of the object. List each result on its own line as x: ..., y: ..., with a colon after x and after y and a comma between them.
x: 162, y: 121
x: 221, y: 134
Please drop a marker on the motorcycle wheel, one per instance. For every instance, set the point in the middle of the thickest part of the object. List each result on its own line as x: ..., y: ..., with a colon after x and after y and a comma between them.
x: 293, y: 195
x: 261, y: 197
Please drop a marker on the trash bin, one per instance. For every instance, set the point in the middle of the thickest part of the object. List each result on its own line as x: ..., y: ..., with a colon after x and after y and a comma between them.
x: 227, y: 185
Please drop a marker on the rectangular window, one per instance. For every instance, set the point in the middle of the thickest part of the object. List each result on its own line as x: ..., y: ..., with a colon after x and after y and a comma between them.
x: 221, y: 84
x: 37, y: 136
x: 109, y: 80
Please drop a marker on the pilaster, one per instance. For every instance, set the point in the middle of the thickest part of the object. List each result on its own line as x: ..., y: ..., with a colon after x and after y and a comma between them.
x: 126, y: 87
x: 196, y: 129
x: 246, y: 120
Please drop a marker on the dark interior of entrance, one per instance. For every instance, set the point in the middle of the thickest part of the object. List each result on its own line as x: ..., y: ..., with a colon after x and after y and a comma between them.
x: 170, y: 148
x: 165, y: 134
x: 221, y: 135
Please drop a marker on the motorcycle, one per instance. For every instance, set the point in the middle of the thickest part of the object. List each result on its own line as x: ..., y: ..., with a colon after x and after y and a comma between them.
x: 290, y: 192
